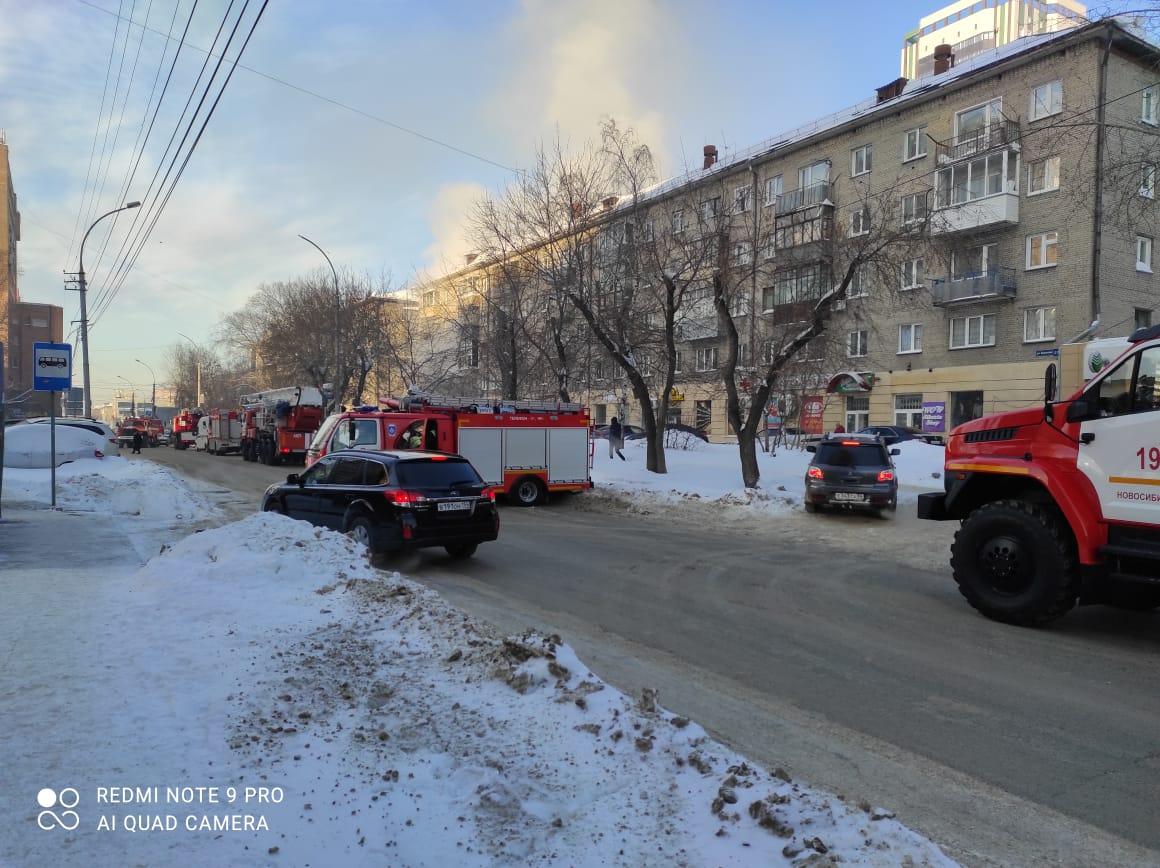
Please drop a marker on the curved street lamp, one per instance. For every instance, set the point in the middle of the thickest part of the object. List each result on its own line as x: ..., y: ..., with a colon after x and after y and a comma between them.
x: 337, y: 306
x: 83, y: 287
x: 153, y: 404
x: 197, y: 363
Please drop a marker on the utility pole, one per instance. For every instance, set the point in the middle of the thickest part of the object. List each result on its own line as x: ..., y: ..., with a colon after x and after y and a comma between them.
x: 153, y: 399
x: 79, y: 280
x: 197, y: 370
x: 337, y: 306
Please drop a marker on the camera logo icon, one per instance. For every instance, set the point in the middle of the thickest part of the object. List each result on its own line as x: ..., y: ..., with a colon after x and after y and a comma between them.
x: 67, y: 819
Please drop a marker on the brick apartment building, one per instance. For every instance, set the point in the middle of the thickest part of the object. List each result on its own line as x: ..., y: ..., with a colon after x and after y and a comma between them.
x: 1032, y: 170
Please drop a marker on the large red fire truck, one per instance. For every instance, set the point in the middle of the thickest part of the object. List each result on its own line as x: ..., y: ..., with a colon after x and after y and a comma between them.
x: 185, y: 428
x: 277, y: 424
x: 225, y: 432
x: 1060, y: 504
x: 524, y: 448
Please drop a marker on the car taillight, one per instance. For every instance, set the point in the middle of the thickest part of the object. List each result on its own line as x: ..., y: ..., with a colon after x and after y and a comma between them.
x: 815, y: 473
x: 851, y: 442
x: 403, y: 498
x: 490, y: 493
x: 885, y: 475
x: 97, y: 453
x: 285, y: 451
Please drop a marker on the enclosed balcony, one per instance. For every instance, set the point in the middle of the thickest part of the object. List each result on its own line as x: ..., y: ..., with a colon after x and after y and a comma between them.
x: 977, y: 194
x: 995, y: 282
x: 819, y: 193
x: 991, y: 136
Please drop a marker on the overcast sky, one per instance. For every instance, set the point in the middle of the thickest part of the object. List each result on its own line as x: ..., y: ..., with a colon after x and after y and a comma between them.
x: 489, y: 77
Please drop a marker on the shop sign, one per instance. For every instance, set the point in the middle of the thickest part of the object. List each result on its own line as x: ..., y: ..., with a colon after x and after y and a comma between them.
x: 934, y: 417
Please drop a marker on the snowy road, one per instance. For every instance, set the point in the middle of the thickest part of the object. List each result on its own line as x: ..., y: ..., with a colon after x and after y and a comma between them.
x: 809, y: 644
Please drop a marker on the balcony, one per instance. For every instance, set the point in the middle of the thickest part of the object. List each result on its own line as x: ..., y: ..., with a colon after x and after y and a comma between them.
x: 990, y: 211
x: 997, y: 282
x: 805, y: 197
x: 993, y: 136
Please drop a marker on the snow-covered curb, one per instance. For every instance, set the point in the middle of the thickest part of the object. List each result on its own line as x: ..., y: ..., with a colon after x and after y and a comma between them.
x: 111, y: 485
x: 711, y: 474
x: 405, y: 731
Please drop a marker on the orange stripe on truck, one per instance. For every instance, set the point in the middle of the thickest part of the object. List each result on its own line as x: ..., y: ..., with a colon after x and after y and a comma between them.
x: 1133, y: 480
x: 991, y: 468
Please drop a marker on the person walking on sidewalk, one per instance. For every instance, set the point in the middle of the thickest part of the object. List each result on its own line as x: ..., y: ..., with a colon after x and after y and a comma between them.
x: 615, y: 438
x: 137, y: 441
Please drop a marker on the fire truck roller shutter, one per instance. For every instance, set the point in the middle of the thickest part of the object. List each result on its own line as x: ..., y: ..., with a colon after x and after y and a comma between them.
x: 525, y: 449
x: 567, y: 455
x: 483, y: 448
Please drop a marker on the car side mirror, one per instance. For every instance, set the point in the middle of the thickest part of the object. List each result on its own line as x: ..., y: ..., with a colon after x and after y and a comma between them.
x: 293, y: 479
x: 1078, y: 411
x: 811, y: 448
x: 895, y: 451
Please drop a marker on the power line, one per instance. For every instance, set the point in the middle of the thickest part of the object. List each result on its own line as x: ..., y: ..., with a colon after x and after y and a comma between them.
x: 340, y: 104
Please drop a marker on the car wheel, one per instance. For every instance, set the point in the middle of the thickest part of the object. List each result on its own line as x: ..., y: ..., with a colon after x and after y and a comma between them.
x: 274, y: 506
x: 809, y: 507
x: 461, y: 552
x: 528, y: 491
x: 364, y: 531
x: 1014, y: 562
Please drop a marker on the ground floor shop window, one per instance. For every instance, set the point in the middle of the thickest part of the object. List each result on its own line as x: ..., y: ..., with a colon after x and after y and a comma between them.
x: 674, y: 414
x: 908, y: 411
x: 704, y: 415
x: 857, y: 412
x: 600, y: 414
x: 965, y: 406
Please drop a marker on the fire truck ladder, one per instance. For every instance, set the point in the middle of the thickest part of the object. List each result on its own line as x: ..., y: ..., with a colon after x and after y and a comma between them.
x: 423, y: 399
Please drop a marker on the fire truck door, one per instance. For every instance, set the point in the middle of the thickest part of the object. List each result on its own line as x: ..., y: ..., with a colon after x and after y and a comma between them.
x: 1119, y: 447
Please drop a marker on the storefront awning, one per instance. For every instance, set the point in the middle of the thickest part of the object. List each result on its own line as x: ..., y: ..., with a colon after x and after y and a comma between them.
x: 849, y: 382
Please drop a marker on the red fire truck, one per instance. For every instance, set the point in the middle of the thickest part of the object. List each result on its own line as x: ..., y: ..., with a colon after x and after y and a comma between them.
x: 185, y: 428
x: 1060, y: 504
x: 524, y: 448
x: 277, y: 424
x: 225, y: 432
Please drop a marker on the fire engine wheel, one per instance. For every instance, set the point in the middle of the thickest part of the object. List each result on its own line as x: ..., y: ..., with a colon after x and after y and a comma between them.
x: 1014, y: 562
x: 461, y: 552
x: 528, y: 491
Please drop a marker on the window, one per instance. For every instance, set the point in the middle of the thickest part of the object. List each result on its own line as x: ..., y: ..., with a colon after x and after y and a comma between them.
x: 742, y: 196
x: 703, y: 414
x: 860, y: 221
x: 974, y: 261
x: 975, y: 179
x: 366, y: 433
x: 913, y: 273
x: 1046, y: 100
x: 773, y: 189
x: 914, y: 144
x: 856, y: 344
x: 814, y: 173
x: 768, y: 299
x: 861, y: 160
x: 742, y: 355
x: 679, y: 358
x: 769, y: 248
x: 429, y: 297
x: 1042, y: 176
x: 469, y: 348
x: 741, y: 304
x: 1148, y: 98
x: 1042, y: 250
x: 910, y: 338
x: 859, y: 284
x: 1144, y: 253
x: 678, y: 221
x: 1038, y: 324
x: 706, y: 358
x: 976, y: 122
x: 913, y: 208
x: 348, y: 471
x: 710, y: 208
x: 742, y: 253
x: 1113, y: 395
x: 796, y: 285
x: 1148, y: 181
x: 908, y: 411
x: 1143, y: 317
x: 648, y: 230
x: 858, y: 416
x: 973, y: 331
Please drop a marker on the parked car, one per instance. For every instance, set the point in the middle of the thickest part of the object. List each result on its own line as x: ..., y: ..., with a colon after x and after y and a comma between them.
x: 163, y: 438
x: 892, y: 434
x: 393, y: 500
x: 853, y: 471
x: 110, y: 448
x: 30, y: 445
x: 631, y: 432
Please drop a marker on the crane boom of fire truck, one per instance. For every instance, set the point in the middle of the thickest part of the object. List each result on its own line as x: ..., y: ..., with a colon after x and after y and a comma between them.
x: 278, y: 423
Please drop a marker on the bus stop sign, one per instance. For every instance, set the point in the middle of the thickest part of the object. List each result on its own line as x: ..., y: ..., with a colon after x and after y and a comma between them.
x: 51, y: 367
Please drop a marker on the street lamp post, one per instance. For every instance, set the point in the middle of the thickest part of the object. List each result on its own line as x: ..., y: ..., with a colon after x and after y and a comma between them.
x: 197, y: 365
x: 132, y: 397
x: 153, y: 398
x: 83, y: 287
x: 337, y: 306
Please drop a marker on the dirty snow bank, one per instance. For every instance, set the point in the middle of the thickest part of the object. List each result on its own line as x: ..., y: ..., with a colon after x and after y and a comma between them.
x: 405, y: 732
x: 712, y: 473
x: 109, y: 485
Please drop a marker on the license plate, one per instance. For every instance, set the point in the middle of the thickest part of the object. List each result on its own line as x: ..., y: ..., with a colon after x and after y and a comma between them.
x: 454, y: 505
x: 849, y: 497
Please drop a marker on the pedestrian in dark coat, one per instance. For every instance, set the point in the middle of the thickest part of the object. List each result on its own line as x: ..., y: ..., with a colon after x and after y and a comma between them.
x: 615, y: 438
x: 137, y: 441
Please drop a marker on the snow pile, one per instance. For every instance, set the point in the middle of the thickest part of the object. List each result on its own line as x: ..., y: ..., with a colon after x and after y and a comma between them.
x: 404, y: 732
x: 713, y: 474
x: 110, y: 485
x: 30, y: 446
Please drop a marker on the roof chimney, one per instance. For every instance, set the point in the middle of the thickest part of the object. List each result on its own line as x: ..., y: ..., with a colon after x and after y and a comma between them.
x: 890, y: 91
x: 608, y: 202
x: 470, y: 258
x: 710, y: 156
x: 944, y: 58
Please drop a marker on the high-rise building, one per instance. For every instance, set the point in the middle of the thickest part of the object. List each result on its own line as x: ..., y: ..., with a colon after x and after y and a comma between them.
x: 9, y: 235
x: 970, y: 27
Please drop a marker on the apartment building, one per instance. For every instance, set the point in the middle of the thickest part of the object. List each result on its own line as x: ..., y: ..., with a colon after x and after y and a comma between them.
x: 972, y: 27
x: 28, y: 323
x: 1014, y: 198
x: 9, y: 235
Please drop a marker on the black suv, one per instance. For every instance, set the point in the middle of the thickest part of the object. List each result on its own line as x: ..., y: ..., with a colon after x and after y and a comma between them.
x: 390, y: 501
x: 851, y: 470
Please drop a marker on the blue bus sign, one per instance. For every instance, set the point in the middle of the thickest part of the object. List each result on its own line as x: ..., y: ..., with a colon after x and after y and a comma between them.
x: 51, y: 367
